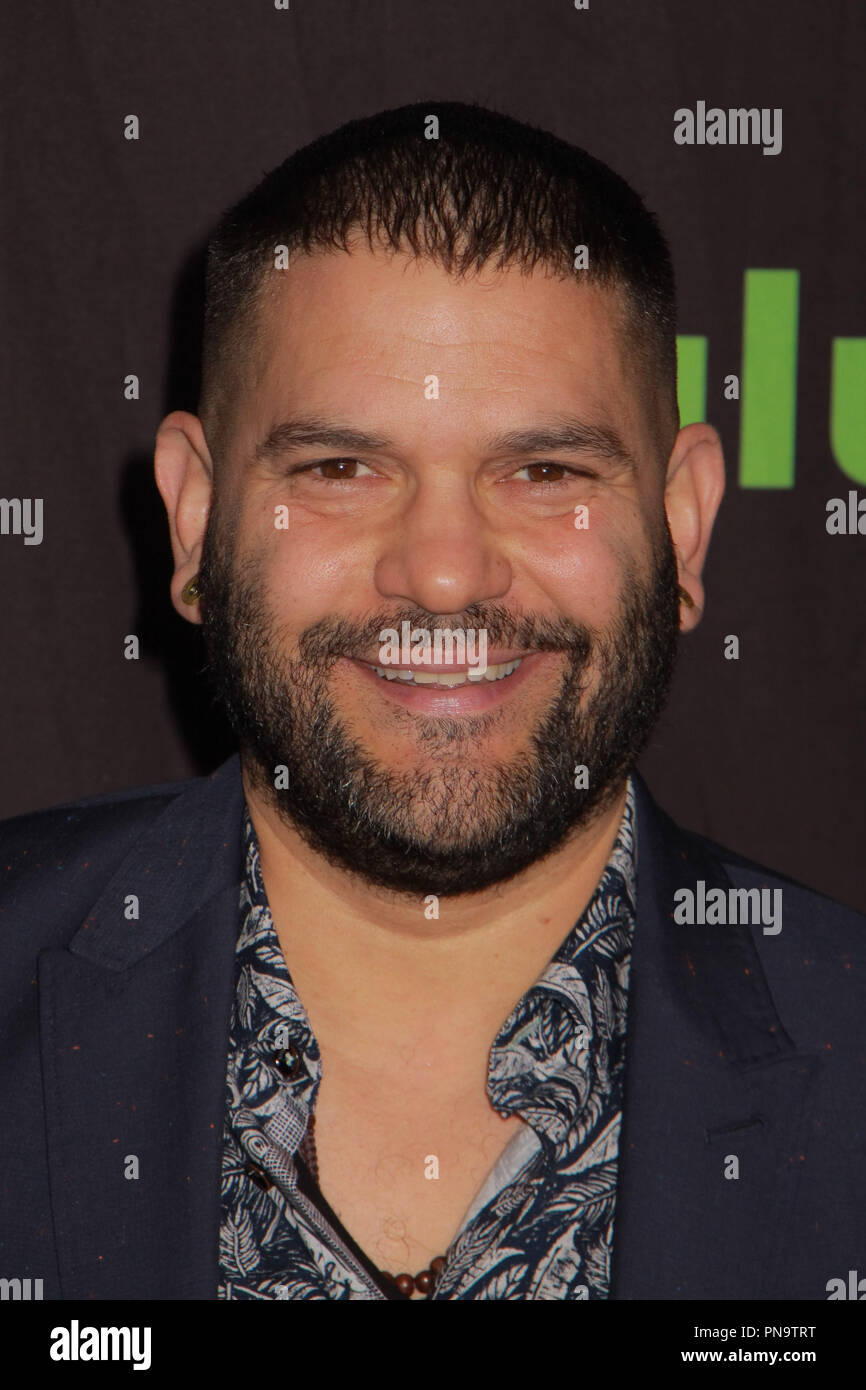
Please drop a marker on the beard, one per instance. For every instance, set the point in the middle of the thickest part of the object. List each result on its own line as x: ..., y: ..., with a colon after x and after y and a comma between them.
x: 457, y: 824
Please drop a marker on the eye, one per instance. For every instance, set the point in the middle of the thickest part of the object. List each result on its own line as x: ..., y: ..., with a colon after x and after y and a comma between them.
x: 340, y: 470
x: 541, y: 472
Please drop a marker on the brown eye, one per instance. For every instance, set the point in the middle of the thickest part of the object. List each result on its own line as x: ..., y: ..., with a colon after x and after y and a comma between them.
x: 340, y: 469
x: 541, y: 472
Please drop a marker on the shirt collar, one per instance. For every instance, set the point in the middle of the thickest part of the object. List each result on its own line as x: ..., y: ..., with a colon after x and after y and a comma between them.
x: 552, y: 1056
x: 553, y: 1030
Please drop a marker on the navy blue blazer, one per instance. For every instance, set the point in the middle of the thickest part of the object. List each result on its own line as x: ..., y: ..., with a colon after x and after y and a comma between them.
x: 113, y: 1039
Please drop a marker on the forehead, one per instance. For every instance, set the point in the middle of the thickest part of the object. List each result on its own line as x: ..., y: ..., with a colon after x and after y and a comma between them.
x: 365, y: 332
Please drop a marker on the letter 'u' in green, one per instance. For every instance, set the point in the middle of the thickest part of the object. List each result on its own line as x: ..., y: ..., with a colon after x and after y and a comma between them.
x: 691, y: 378
x: 848, y: 407
x: 768, y: 408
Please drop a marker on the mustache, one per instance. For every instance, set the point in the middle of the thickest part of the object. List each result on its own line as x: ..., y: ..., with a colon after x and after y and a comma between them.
x: 333, y: 637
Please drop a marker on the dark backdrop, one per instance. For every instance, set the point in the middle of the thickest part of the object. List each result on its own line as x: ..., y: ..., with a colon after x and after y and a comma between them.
x: 101, y: 267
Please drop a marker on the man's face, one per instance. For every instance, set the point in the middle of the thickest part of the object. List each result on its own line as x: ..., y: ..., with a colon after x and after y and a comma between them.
x: 443, y: 518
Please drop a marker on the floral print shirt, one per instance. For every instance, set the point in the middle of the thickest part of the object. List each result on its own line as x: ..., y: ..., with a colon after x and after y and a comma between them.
x: 541, y: 1226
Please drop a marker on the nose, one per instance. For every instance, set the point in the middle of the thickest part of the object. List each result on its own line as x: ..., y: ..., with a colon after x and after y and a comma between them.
x: 443, y: 554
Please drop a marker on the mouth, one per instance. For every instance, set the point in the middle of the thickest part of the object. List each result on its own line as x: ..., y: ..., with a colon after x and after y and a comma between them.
x: 450, y: 691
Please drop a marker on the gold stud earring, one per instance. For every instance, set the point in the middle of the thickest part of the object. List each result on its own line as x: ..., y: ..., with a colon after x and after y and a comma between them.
x: 686, y: 598
x: 191, y: 592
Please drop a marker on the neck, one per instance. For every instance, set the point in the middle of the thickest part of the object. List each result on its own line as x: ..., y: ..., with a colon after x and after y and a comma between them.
x: 356, y: 951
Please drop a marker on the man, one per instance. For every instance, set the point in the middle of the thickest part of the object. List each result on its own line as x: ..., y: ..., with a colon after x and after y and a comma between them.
x: 422, y: 995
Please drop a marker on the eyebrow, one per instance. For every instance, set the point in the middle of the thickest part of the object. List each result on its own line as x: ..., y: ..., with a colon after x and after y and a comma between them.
x: 563, y: 432
x: 304, y: 431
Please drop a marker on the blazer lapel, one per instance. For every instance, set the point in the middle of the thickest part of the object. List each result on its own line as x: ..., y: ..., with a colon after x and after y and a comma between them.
x: 134, y: 1023
x: 714, y: 1086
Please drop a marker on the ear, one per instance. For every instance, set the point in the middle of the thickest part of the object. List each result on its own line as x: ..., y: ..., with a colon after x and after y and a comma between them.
x: 184, y: 475
x: 694, y: 488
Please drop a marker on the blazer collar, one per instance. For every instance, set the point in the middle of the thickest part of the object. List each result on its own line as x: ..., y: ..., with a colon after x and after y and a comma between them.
x: 190, y: 852
x: 717, y: 969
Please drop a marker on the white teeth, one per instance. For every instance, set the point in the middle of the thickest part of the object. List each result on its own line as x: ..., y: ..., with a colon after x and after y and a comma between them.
x: 496, y: 673
x: 446, y: 678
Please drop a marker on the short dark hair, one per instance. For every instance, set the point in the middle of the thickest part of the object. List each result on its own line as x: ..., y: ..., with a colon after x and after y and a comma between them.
x: 488, y: 189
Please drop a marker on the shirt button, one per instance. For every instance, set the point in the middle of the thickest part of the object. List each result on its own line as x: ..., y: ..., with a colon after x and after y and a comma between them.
x: 288, y: 1062
x: 259, y: 1177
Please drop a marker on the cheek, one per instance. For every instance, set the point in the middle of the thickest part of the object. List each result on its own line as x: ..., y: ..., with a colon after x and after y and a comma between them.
x: 310, y: 566
x: 582, y: 569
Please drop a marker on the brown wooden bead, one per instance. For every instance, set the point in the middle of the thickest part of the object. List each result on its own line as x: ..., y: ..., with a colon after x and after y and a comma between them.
x: 405, y: 1283
x: 437, y: 1265
x: 423, y: 1281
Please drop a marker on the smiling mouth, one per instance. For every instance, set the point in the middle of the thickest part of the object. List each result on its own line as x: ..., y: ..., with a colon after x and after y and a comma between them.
x: 448, y: 679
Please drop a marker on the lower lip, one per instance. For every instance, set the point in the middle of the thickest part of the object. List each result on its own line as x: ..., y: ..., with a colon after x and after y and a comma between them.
x: 471, y: 698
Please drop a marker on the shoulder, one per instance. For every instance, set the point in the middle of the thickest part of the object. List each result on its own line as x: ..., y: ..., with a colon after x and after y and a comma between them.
x: 57, y: 829
x: 811, y: 948
x: 54, y: 861
x: 664, y: 838
x: 802, y: 903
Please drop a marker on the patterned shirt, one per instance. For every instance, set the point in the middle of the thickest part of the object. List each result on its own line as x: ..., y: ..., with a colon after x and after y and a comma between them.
x: 541, y: 1226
